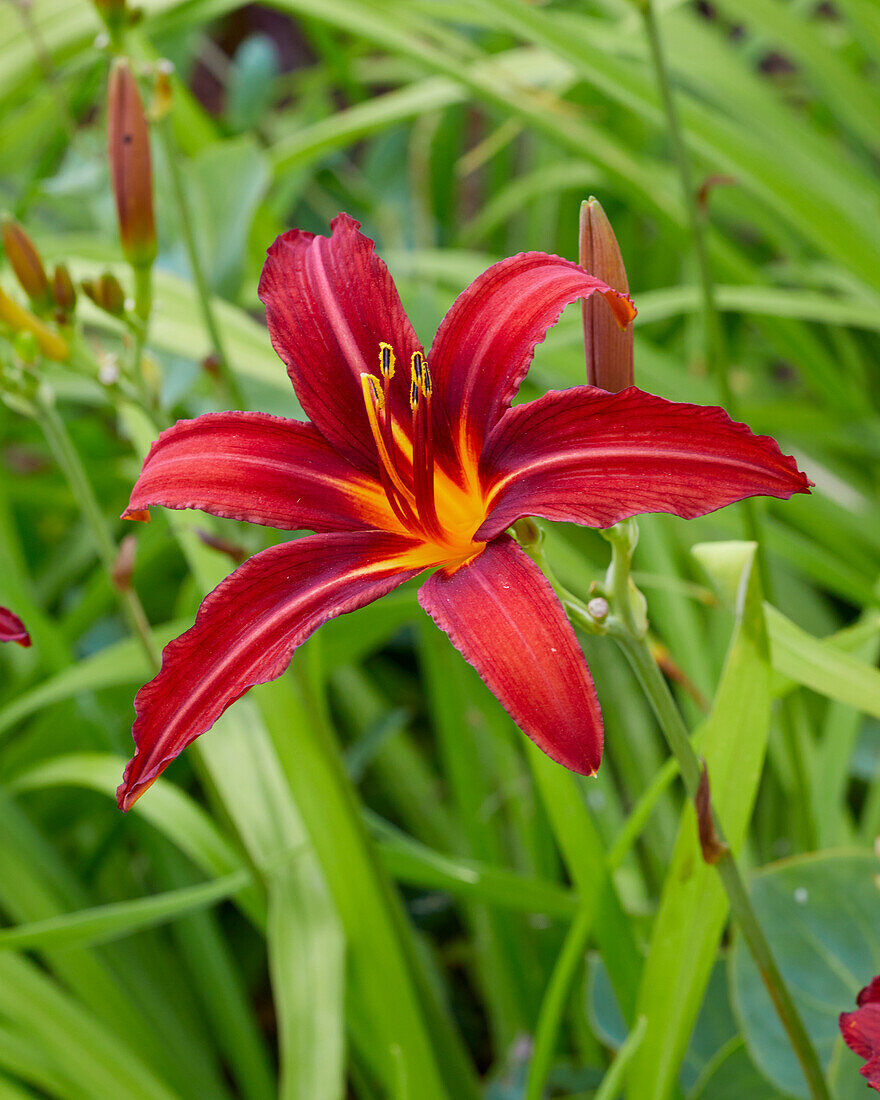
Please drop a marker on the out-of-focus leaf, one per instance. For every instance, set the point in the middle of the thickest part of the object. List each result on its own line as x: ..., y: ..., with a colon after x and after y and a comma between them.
x: 251, y: 83
x: 123, y: 662
x: 227, y: 180
x: 109, y: 922
x: 806, y: 660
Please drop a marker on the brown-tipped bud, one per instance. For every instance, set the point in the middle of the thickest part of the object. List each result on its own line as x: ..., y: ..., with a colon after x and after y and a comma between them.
x: 26, y: 263
x: 63, y: 290
x: 123, y: 567
x: 106, y: 292
x: 112, y: 294
x: 609, y: 349
x: 128, y: 146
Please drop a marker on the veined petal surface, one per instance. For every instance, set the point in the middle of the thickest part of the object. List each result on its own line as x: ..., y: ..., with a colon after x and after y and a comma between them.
x: 246, y: 632
x: 592, y: 457
x: 501, y: 613
x: 485, y: 343
x: 12, y: 629
x: 260, y: 468
x: 330, y: 303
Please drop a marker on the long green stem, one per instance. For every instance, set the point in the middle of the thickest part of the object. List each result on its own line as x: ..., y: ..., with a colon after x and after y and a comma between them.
x: 68, y: 459
x: 178, y: 189
x: 672, y: 724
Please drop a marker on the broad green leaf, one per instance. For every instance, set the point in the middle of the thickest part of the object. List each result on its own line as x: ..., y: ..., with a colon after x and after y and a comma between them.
x: 821, y: 914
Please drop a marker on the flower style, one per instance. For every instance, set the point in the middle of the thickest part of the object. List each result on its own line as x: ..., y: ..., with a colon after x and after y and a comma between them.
x: 861, y: 1031
x: 12, y: 629
x: 415, y: 462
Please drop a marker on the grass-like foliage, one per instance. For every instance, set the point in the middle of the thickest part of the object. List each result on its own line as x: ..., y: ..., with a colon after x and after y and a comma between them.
x: 364, y: 881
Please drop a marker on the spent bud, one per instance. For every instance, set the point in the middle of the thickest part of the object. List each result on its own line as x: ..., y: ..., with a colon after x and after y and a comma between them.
x: 609, y: 349
x: 131, y: 173
x: 26, y: 263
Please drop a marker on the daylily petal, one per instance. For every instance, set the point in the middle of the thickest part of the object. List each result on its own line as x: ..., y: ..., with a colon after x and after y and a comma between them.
x: 245, y: 634
x: 260, y: 468
x: 592, y: 457
x: 330, y: 303
x: 12, y: 629
x: 861, y: 1031
x: 485, y: 342
x: 501, y: 613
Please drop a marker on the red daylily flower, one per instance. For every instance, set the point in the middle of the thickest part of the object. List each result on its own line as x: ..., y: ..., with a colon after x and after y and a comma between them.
x: 861, y: 1031
x: 412, y: 463
x: 12, y: 629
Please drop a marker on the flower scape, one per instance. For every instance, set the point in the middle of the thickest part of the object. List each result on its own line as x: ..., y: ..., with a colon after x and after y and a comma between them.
x: 413, y: 462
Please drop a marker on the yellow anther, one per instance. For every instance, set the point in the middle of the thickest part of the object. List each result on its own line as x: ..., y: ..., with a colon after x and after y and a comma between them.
x: 372, y: 388
x: 386, y: 359
x: 421, y: 378
x: 414, y: 391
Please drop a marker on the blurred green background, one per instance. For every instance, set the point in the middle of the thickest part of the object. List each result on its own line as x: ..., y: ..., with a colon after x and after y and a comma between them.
x: 363, y: 882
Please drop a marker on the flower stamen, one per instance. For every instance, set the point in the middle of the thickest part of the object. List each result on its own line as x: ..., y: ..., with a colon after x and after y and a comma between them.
x: 399, y: 497
x: 421, y: 388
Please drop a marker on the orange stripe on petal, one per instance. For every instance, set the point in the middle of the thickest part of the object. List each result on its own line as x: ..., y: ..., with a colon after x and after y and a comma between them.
x: 260, y: 468
x: 246, y: 632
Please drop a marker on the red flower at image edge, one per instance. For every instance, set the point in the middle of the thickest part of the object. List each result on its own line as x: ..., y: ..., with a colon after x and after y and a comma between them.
x: 12, y: 629
x: 861, y: 1030
x: 414, y: 462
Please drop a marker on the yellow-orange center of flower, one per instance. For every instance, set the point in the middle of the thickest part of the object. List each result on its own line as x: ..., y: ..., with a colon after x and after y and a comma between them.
x: 426, y: 501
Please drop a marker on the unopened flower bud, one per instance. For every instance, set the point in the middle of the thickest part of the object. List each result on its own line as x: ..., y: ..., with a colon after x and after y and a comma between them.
x: 63, y: 290
x: 20, y: 319
x: 598, y: 608
x: 106, y: 292
x: 128, y: 147
x: 609, y: 349
x: 123, y: 567
x: 26, y: 263
x: 527, y: 532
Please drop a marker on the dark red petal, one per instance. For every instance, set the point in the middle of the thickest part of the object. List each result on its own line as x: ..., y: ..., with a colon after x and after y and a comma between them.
x: 861, y: 1032
x: 870, y: 994
x: 245, y: 634
x: 12, y: 629
x: 502, y: 614
x: 594, y: 458
x: 329, y: 303
x: 485, y: 342
x: 260, y: 468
